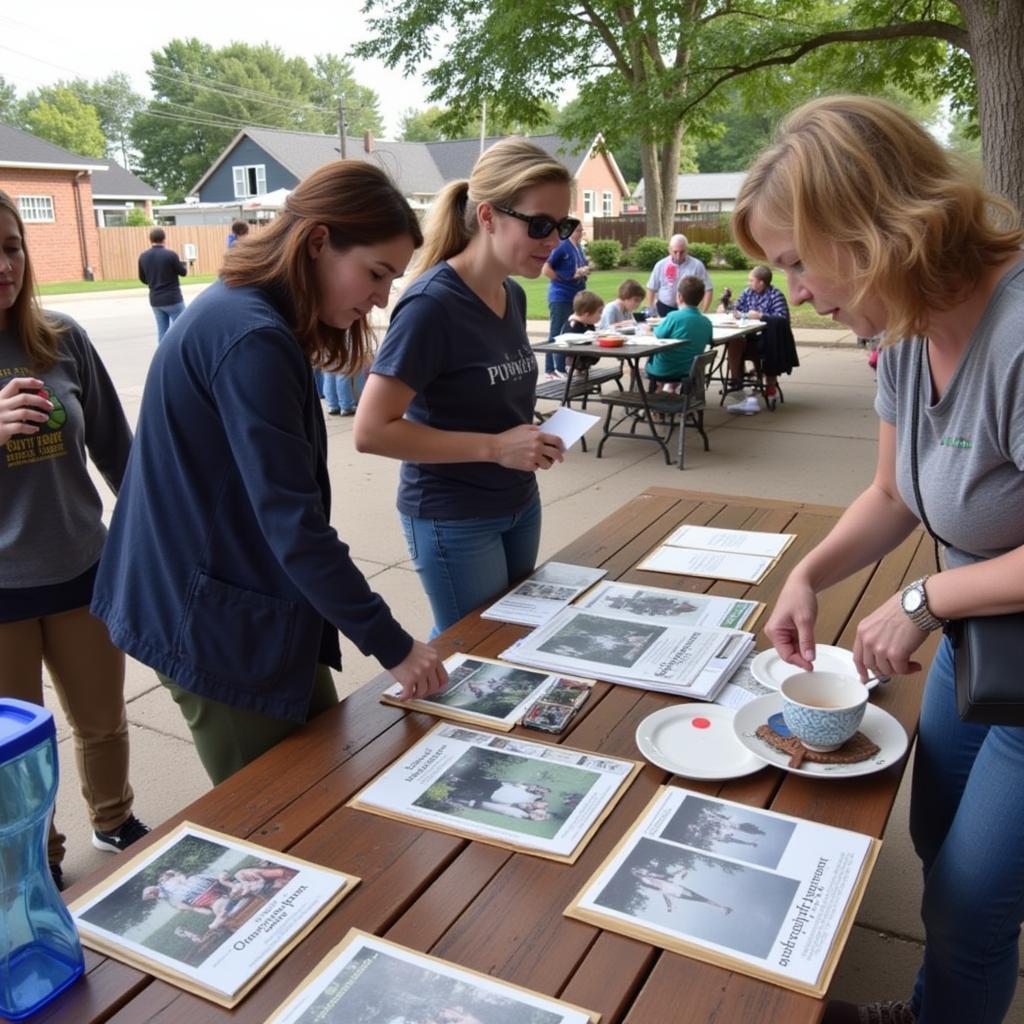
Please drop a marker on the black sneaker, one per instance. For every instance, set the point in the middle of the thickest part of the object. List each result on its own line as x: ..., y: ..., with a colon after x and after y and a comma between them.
x: 57, y: 874
x: 122, y: 837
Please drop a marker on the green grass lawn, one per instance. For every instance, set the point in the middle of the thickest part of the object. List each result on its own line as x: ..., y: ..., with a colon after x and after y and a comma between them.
x: 606, y: 284
x: 77, y: 287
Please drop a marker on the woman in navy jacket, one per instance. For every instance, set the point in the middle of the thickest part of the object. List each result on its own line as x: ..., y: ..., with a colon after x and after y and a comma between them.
x: 222, y: 571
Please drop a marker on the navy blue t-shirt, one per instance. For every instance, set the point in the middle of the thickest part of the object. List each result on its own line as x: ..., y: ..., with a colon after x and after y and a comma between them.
x: 472, y: 371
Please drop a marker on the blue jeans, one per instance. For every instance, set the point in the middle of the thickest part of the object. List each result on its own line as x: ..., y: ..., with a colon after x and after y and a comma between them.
x: 560, y: 312
x: 338, y: 391
x: 967, y: 823
x: 165, y: 316
x: 462, y: 563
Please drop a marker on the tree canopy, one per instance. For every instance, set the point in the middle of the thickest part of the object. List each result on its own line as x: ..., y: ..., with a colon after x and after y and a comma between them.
x: 656, y: 69
x: 59, y: 116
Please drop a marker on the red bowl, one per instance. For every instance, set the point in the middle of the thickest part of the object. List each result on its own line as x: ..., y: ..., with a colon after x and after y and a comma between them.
x: 609, y: 341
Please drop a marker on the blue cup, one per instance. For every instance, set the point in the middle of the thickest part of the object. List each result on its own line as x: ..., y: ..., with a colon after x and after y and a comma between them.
x: 823, y: 709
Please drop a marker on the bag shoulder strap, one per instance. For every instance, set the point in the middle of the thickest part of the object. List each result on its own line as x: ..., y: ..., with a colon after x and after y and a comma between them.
x: 915, y: 419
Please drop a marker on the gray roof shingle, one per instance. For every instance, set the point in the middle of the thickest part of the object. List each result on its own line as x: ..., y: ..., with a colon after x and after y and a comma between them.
x: 117, y: 183
x: 18, y: 147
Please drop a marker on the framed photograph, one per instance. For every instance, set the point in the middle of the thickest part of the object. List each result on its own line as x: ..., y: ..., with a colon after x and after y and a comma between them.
x: 520, y: 794
x: 490, y: 693
x: 366, y: 980
x: 747, y: 889
x: 544, y: 594
x: 207, y: 912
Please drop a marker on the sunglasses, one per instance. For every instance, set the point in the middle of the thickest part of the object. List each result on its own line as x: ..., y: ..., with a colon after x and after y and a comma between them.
x: 540, y: 225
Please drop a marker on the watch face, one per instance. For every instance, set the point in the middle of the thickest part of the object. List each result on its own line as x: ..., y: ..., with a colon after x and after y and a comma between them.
x: 913, y: 600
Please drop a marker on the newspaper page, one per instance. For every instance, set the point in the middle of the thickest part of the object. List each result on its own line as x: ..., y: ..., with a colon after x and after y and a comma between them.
x: 207, y: 912
x: 688, y: 661
x: 673, y: 607
x: 748, y: 889
x: 544, y: 594
x: 516, y: 793
x: 742, y: 687
x: 738, y: 542
x: 492, y: 693
x: 716, y: 565
x: 365, y: 978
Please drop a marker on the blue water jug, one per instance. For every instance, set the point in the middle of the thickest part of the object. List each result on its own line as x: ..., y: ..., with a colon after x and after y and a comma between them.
x: 40, y: 954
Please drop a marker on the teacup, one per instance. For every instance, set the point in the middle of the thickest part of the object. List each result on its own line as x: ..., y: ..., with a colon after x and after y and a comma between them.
x: 823, y: 709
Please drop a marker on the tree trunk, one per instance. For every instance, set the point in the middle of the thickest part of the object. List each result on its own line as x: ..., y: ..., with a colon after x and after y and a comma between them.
x: 652, y: 187
x: 996, y: 32
x: 670, y: 180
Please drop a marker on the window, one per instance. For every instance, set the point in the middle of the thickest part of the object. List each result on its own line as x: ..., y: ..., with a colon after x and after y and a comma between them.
x: 606, y: 203
x: 36, y: 209
x: 588, y: 202
x: 250, y: 180
x: 683, y: 207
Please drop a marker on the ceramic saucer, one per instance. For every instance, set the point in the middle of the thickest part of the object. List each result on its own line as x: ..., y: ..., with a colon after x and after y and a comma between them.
x: 769, y: 669
x: 878, y: 725
x: 696, y: 741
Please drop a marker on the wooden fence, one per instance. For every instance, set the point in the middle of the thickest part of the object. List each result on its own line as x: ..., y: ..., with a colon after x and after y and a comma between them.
x: 120, y: 248
x: 712, y: 228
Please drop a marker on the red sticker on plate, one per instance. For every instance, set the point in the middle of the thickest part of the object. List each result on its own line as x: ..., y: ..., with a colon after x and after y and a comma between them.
x: 701, y: 723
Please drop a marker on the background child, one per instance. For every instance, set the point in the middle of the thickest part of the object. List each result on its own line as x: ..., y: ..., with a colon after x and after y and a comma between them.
x: 620, y: 312
x: 586, y: 312
x: 684, y: 324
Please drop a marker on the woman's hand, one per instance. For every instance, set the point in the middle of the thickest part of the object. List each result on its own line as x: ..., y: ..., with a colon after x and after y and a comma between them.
x: 526, y: 447
x: 421, y: 672
x: 22, y: 406
x: 791, y: 625
x: 885, y: 641
x: 753, y: 314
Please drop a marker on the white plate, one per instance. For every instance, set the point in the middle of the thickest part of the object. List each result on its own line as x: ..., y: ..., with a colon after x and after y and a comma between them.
x: 878, y: 725
x: 696, y: 741
x: 769, y: 669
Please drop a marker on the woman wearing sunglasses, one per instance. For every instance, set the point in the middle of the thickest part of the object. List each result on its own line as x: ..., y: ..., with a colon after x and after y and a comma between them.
x: 451, y: 392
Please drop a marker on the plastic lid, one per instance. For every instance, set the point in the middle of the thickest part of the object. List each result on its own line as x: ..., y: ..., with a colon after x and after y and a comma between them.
x: 22, y: 727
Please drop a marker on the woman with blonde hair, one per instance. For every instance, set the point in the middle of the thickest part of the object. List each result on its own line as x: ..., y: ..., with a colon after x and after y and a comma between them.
x: 58, y: 408
x: 451, y: 392
x: 881, y: 229
x: 223, y: 571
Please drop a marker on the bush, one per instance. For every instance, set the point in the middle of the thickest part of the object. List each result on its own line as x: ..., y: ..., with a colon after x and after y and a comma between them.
x: 605, y: 253
x: 137, y: 218
x: 701, y: 251
x: 647, y: 251
x: 735, y: 258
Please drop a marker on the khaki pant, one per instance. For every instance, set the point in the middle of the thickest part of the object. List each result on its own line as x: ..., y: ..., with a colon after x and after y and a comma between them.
x: 228, y: 738
x: 88, y: 674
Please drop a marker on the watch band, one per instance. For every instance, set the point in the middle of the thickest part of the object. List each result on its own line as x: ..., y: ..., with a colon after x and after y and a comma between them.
x: 922, y: 617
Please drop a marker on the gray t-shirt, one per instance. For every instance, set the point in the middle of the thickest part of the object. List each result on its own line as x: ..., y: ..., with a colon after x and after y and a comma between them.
x: 51, y: 529
x: 970, y: 444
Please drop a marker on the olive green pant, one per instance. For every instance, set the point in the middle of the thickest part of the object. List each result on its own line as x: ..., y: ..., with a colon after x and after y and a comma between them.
x: 228, y: 738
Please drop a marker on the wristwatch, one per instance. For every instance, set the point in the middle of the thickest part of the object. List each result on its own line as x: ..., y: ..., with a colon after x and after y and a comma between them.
x: 914, y: 601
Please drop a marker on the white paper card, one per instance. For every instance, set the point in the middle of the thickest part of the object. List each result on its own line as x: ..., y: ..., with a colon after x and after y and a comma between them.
x: 568, y: 424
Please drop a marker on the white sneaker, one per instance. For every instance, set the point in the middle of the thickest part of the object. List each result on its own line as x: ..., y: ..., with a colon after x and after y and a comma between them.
x: 749, y: 406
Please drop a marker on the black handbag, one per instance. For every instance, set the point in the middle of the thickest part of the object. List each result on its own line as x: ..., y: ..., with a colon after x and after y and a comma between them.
x: 988, y: 649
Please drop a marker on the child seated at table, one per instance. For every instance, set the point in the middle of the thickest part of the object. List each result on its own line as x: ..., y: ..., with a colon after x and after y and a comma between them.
x: 667, y: 370
x: 586, y: 311
x: 620, y: 312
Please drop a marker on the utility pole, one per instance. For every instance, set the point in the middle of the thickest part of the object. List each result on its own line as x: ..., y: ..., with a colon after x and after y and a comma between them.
x: 341, y: 125
x: 483, y: 122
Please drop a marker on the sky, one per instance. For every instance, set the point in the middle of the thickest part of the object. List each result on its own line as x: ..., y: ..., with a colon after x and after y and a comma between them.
x: 68, y: 39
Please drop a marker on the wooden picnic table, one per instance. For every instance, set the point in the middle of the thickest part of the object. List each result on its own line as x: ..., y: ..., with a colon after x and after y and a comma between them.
x: 497, y: 911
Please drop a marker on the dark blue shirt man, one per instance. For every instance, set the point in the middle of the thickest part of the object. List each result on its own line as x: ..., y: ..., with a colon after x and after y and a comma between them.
x: 160, y: 268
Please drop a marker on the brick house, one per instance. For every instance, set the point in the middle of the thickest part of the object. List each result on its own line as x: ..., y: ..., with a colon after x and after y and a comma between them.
x: 259, y: 161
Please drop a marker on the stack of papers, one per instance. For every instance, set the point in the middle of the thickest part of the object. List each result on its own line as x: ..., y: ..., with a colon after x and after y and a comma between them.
x: 636, y: 651
x: 541, y: 597
x: 741, y: 555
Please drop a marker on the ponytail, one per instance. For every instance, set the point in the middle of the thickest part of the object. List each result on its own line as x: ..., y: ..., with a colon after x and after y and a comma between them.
x: 450, y: 225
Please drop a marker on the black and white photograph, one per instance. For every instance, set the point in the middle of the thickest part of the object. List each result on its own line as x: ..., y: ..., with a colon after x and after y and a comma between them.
x: 602, y: 639
x: 533, y: 796
x: 366, y: 980
x: 725, y: 828
x: 544, y: 594
x: 671, y: 607
x: 697, y: 895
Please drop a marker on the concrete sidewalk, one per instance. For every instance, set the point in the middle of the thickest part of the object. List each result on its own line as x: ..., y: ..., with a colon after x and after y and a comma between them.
x: 818, y: 446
